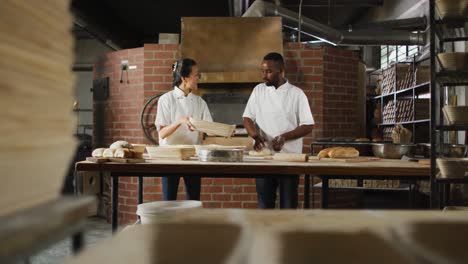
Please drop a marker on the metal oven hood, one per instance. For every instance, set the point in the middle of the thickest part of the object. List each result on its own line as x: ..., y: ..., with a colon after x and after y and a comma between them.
x: 230, y: 49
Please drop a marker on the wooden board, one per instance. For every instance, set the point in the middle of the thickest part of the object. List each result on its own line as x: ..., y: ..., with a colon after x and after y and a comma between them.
x: 213, y: 128
x: 272, y: 235
x: 122, y: 160
x: 424, y: 162
x: 171, y: 152
x: 358, y: 159
x: 37, y: 54
x: 25, y: 232
x: 118, y: 160
x: 97, y: 160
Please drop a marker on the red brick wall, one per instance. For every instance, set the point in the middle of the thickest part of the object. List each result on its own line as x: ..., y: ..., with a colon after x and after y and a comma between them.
x: 340, y: 93
x: 304, y: 68
x: 122, y: 109
x: 327, y: 75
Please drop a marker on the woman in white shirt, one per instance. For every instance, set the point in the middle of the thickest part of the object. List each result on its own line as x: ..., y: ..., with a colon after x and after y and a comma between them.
x: 172, y: 122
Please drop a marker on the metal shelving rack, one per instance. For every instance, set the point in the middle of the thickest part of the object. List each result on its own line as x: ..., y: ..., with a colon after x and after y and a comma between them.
x: 442, y: 31
x: 413, y: 92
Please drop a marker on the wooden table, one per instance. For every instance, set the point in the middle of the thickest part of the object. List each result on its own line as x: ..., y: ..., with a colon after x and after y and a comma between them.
x: 254, y: 168
x: 24, y: 233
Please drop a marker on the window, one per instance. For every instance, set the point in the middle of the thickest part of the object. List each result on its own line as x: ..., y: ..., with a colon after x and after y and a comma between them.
x: 390, y: 54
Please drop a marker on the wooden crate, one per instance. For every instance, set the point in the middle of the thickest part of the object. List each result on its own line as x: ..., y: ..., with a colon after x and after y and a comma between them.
x: 388, y: 114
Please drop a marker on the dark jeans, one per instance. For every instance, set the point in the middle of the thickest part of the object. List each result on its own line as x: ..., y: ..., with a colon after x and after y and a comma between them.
x: 266, y: 191
x: 171, y: 184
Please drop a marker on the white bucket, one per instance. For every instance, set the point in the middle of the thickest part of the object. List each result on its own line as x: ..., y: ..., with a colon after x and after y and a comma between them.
x: 156, y: 212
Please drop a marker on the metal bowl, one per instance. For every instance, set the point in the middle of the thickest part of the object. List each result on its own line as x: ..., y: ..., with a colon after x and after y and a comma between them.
x: 391, y: 151
x: 423, y: 149
x: 448, y: 150
x: 454, y: 150
x: 221, y: 155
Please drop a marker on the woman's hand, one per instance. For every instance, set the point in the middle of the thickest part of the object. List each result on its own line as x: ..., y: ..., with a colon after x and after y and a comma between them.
x: 185, y: 121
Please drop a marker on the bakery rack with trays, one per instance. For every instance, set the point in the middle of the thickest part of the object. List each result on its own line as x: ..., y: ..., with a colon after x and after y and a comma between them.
x: 449, y: 76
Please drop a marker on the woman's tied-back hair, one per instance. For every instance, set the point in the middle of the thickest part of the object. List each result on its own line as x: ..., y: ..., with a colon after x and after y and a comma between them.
x: 182, y: 68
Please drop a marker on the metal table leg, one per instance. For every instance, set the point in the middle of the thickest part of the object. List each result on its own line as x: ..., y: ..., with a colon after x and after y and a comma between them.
x: 312, y: 190
x: 77, y: 242
x: 115, y: 202
x: 140, y: 190
x: 441, y: 191
x: 360, y: 183
x: 447, y: 195
x: 411, y: 194
x: 306, y: 191
x: 325, y: 192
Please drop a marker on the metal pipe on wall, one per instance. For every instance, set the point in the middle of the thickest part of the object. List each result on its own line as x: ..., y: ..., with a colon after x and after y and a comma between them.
x: 383, y: 38
x: 332, y: 35
x: 413, y: 24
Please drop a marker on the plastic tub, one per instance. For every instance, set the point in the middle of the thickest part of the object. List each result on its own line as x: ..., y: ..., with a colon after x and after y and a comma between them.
x: 156, y: 212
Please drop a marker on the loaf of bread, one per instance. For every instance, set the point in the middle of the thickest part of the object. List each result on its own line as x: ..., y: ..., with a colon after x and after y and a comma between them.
x: 120, y: 144
x: 98, y: 153
x: 338, y: 152
x: 362, y: 140
x: 324, y: 152
x: 290, y: 157
x: 108, y: 153
x: 344, y: 152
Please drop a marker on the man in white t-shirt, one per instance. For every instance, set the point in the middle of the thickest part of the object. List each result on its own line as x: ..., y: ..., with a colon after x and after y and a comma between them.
x: 277, y: 116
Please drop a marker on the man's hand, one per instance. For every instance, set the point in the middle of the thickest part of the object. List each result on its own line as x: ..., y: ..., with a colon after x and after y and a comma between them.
x: 259, y: 143
x: 278, y: 143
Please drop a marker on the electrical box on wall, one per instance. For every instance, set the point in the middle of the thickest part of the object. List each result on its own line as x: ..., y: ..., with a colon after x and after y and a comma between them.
x: 100, y: 89
x: 124, y: 64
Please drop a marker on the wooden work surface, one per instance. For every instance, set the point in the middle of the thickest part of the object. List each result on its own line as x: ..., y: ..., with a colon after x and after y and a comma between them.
x: 264, y: 167
x: 24, y: 233
x: 291, y: 236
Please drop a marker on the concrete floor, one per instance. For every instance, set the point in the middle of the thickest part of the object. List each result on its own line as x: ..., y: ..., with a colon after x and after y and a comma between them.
x: 97, y: 229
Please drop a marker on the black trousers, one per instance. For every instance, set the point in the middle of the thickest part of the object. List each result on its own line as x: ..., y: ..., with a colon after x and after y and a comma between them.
x: 266, y: 191
x: 171, y: 184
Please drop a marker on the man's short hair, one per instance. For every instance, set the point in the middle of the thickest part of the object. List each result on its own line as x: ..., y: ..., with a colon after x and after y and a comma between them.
x: 276, y: 57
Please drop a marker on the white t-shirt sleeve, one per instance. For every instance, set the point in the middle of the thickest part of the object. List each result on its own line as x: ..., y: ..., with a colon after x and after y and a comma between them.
x: 163, y: 114
x: 304, y: 114
x: 250, y: 108
x: 206, y: 115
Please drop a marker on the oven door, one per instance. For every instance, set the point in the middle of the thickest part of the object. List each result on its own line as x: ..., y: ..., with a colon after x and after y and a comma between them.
x: 227, y: 108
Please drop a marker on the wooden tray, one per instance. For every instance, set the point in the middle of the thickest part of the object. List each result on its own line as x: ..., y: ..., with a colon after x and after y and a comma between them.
x: 122, y: 160
x: 97, y: 160
x: 358, y: 159
x: 118, y: 160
